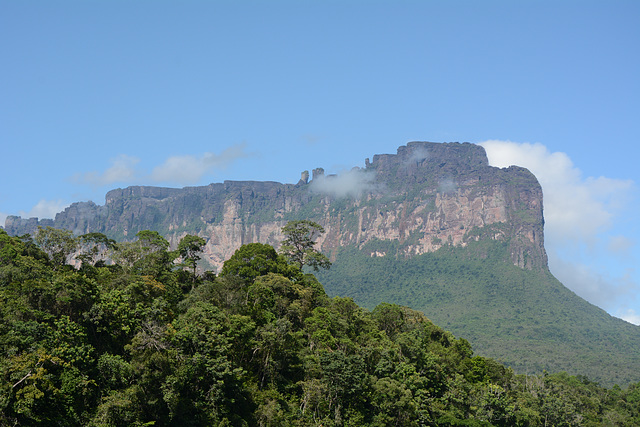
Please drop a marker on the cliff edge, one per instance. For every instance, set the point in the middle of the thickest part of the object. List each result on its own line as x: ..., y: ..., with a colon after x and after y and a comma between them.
x: 424, y: 197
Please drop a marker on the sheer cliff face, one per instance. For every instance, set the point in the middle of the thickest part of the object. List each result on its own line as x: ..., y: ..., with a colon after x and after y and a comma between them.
x: 425, y: 196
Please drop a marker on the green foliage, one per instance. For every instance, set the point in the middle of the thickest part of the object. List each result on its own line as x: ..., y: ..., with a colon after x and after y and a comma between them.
x: 525, y: 319
x: 298, y: 244
x: 189, y: 249
x: 143, y: 344
x: 94, y: 248
x: 256, y: 259
x: 57, y: 244
x: 148, y: 255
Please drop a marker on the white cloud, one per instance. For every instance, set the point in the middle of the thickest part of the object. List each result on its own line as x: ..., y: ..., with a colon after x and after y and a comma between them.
x: 574, y: 208
x: 602, y: 289
x: 350, y: 183
x: 630, y: 316
x: 418, y: 154
x: 447, y: 186
x: 3, y: 218
x: 190, y: 169
x: 578, y: 214
x: 175, y: 170
x: 123, y: 169
x: 45, y: 209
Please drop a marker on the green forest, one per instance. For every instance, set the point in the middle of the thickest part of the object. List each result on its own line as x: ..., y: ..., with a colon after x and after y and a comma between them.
x: 525, y: 319
x: 95, y: 332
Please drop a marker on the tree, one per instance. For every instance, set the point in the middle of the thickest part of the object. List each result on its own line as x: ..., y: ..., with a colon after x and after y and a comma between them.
x: 190, y: 248
x: 298, y: 244
x: 148, y: 255
x: 152, y: 241
x: 94, y: 248
x: 9, y: 248
x: 57, y: 244
x: 256, y: 259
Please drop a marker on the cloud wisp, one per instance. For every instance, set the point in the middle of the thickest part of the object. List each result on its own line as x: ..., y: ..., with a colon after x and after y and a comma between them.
x: 601, y: 289
x: 579, y: 212
x: 620, y: 245
x: 350, y: 183
x: 122, y: 169
x: 190, y: 169
x: 447, y: 185
x: 45, y: 209
x: 575, y: 208
x: 418, y: 155
x: 630, y: 315
x: 175, y: 170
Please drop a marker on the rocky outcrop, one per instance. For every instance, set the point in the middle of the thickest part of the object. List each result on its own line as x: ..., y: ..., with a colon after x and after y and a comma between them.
x: 17, y: 226
x: 424, y: 197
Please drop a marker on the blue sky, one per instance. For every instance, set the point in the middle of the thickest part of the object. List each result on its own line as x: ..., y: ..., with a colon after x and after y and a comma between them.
x: 96, y: 95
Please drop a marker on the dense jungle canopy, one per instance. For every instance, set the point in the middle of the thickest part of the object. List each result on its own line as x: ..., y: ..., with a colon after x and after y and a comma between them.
x: 99, y: 333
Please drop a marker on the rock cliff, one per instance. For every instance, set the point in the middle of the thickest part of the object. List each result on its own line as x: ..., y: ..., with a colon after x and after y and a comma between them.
x: 425, y: 196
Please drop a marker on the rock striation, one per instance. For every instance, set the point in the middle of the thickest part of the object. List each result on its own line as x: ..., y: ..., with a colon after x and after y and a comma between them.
x: 425, y: 196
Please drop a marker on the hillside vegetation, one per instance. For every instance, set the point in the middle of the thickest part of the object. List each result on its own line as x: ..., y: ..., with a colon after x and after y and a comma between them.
x: 148, y: 341
x: 526, y: 319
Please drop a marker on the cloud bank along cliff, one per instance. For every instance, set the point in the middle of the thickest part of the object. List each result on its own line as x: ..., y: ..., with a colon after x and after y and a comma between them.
x: 425, y: 196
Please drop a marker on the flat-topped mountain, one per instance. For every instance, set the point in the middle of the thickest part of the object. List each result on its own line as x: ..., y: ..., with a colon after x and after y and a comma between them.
x: 433, y: 227
x: 425, y: 196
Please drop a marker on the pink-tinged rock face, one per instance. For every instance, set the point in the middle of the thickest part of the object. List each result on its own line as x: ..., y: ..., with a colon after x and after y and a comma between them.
x: 425, y: 196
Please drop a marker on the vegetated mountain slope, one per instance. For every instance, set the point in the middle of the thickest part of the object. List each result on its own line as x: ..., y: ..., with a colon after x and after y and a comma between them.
x: 525, y: 319
x: 390, y: 216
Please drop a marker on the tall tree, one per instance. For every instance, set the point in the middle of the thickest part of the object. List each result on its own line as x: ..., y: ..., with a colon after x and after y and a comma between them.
x: 190, y: 248
x: 299, y: 243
